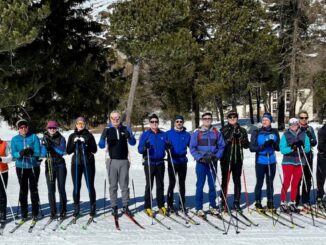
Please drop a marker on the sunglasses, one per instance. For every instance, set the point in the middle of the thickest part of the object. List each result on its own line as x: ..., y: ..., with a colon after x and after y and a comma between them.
x: 115, y: 119
x: 52, y: 128
x: 22, y: 127
x: 179, y: 121
x: 207, y: 118
x: 153, y: 122
x: 232, y: 117
x: 305, y: 118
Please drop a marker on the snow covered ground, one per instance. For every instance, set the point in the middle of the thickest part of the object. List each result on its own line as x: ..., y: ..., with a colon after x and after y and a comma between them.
x: 104, y: 232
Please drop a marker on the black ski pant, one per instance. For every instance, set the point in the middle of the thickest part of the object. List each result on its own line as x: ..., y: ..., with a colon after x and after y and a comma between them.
x: 77, y: 170
x: 3, y: 196
x: 58, y: 174
x: 181, y: 171
x: 305, y: 196
x: 28, y: 177
x: 157, y: 171
x: 236, y: 171
x: 262, y: 170
x: 321, y: 174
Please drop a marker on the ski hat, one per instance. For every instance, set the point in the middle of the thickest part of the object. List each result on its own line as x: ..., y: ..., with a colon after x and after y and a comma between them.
x: 207, y: 114
x: 153, y: 115
x: 268, y: 116
x: 293, y: 121
x: 80, y: 119
x: 178, y: 117
x: 52, y: 124
x: 232, y: 113
x: 21, y: 122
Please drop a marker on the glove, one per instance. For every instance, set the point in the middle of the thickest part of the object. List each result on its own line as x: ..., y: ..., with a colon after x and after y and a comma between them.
x: 21, y: 153
x: 205, y: 160
x: 147, y: 145
x: 237, y: 133
x: 28, y: 152
x: 214, y: 158
x: 168, y: 145
x: 294, y: 146
x: 126, y: 133
x: 268, y: 143
x: 299, y: 143
x: 0, y: 159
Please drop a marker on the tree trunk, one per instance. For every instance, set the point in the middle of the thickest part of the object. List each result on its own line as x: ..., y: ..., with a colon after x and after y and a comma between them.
x: 258, y: 103
x: 195, y: 111
x: 219, y: 105
x: 293, y: 67
x: 251, y: 109
x: 134, y: 81
x: 280, y: 109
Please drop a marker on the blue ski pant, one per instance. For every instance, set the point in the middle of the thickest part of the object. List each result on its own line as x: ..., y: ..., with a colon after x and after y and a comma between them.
x: 203, y: 171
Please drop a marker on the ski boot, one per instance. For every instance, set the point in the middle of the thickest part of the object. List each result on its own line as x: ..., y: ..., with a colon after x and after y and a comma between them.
x: 149, y: 212
x: 213, y: 211
x: 200, y: 213
x: 284, y: 207
x: 127, y: 211
x: 163, y: 211
x: 270, y: 206
x: 259, y: 207
x: 236, y: 206
x: 321, y: 203
x: 293, y: 208
x: 171, y: 210
x: 63, y: 214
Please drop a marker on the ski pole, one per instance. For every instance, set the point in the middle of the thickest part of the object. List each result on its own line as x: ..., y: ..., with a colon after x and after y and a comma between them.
x: 305, y: 181
x: 133, y: 190
x: 177, y: 181
x: 244, y: 177
x: 229, y: 211
x: 6, y: 193
x: 229, y: 175
x: 214, y: 179
x: 150, y: 182
x: 104, y: 199
x: 85, y: 165
x: 39, y: 201
x: 76, y: 168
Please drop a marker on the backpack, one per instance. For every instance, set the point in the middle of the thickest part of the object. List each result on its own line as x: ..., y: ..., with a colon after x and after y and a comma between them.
x: 200, y: 133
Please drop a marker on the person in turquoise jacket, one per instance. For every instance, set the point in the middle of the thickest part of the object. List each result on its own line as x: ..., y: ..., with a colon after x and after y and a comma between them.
x: 292, y: 143
x: 25, y: 149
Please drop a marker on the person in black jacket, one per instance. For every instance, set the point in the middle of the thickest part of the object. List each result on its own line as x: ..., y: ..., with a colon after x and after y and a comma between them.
x: 304, y: 126
x: 83, y: 145
x: 321, y: 167
x: 236, y: 139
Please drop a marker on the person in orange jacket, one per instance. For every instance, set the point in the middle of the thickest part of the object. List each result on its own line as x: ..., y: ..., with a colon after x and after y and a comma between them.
x: 4, y: 160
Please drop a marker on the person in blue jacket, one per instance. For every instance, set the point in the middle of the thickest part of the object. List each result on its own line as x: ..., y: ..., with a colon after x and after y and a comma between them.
x: 265, y: 141
x: 207, y: 147
x: 25, y: 149
x: 178, y: 140
x: 118, y: 136
x: 53, y: 149
x: 153, y: 141
x: 294, y: 143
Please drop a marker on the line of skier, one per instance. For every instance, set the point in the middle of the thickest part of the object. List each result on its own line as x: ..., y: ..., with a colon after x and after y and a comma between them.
x: 207, y: 145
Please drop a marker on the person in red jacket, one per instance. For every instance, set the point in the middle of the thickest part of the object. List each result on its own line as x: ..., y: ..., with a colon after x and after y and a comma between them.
x: 4, y: 159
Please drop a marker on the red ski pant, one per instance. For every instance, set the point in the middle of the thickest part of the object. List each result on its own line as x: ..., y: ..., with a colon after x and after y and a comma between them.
x: 291, y: 175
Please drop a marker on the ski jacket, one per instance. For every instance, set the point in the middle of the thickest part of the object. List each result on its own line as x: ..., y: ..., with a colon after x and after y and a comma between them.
x: 179, y: 141
x: 322, y: 140
x: 117, y: 141
x: 206, y: 141
x: 57, y: 143
x: 19, y: 143
x: 89, y: 147
x: 157, y: 143
x: 310, y: 132
x: 291, y: 156
x: 3, y: 154
x: 258, y: 138
x: 235, y: 138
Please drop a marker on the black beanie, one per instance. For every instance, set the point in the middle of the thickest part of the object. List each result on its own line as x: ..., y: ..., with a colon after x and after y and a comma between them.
x: 178, y: 117
x: 151, y: 116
